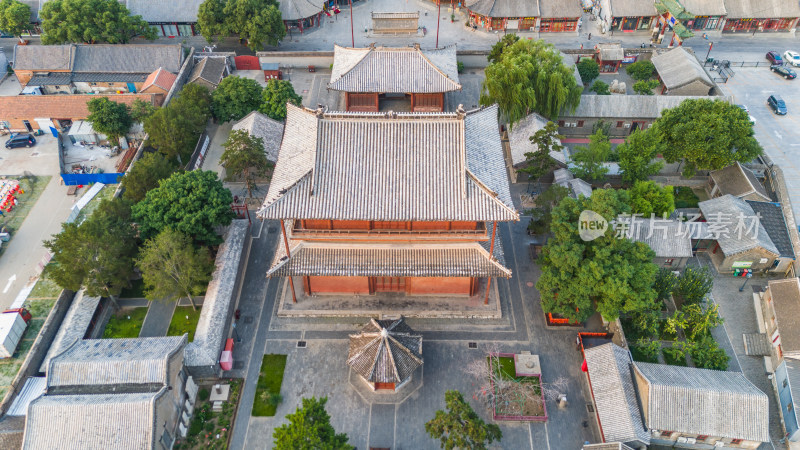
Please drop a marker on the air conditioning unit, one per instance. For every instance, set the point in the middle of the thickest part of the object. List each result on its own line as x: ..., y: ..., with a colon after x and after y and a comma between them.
x: 719, y: 444
x: 691, y: 440
x: 656, y: 433
x: 573, y: 124
x: 627, y: 125
x: 683, y: 440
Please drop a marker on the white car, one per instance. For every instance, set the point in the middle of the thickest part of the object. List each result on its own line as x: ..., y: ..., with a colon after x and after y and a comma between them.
x: 792, y: 57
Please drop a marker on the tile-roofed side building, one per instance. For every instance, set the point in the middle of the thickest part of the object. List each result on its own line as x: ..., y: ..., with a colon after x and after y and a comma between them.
x: 385, y: 352
x: 607, y: 446
x: 54, y: 58
x: 614, y: 395
x: 624, y: 106
x: 298, y: 9
x: 748, y: 9
x: 705, y: 7
x: 354, y: 172
x: 771, y: 217
x: 11, y: 431
x: 118, y: 421
x: 161, y: 79
x: 73, y: 327
x: 505, y: 8
x: 208, y: 72
x: 702, y: 401
x: 681, y: 73
x: 518, y: 137
x: 93, y: 363
x: 557, y: 9
x: 154, y: 11
x: 127, y: 58
x: 733, y: 242
x: 738, y: 181
x: 261, y: 126
x: 632, y: 8
x: 394, y: 70
x: 784, y: 295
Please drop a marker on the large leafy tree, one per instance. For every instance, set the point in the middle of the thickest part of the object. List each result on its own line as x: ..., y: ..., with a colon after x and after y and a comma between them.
x: 91, y: 22
x: 244, y: 157
x: 610, y: 275
x: 545, y: 140
x: 497, y: 49
x: 234, y: 98
x: 275, y: 97
x: 649, y: 198
x: 96, y: 254
x: 15, y: 17
x: 706, y: 135
x: 193, y: 203
x: 110, y: 118
x: 637, y: 156
x: 529, y: 76
x: 172, y: 267
x: 141, y: 110
x: 145, y: 175
x: 258, y: 22
x: 211, y: 18
x: 588, y: 70
x: 541, y: 215
x: 175, y: 128
x: 310, y: 428
x: 693, y: 284
x: 589, y: 161
x: 460, y: 426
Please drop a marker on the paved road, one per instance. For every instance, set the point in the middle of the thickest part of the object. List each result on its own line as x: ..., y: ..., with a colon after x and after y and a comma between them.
x: 156, y: 322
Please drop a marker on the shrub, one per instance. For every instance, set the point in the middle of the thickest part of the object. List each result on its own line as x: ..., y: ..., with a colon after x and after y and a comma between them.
x: 693, y: 284
x: 645, y: 87
x: 640, y: 70
x: 589, y: 70
x: 203, y: 394
x: 707, y: 354
x: 460, y: 66
x: 600, y: 87
x: 274, y: 400
x: 665, y: 283
x: 196, y: 427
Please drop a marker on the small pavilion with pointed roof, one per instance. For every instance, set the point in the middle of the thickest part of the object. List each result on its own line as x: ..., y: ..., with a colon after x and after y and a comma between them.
x: 367, y: 75
x: 385, y: 353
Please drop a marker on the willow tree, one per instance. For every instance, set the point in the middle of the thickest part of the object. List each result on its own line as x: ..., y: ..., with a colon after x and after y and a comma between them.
x: 530, y: 76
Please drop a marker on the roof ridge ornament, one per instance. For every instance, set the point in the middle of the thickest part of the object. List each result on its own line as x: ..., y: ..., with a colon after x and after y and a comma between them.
x: 460, y: 112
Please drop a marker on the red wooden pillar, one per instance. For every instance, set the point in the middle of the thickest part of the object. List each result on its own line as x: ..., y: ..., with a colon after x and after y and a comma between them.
x: 289, y: 254
x: 488, y: 289
x: 491, y: 255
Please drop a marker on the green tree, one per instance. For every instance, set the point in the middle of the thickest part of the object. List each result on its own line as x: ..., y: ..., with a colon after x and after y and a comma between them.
x: 193, y: 203
x: 174, y: 129
x: 648, y: 348
x: 636, y: 156
x: 257, y: 21
x: 609, y: 275
x: 244, y: 157
x: 693, y: 284
x: 497, y: 49
x: 91, y: 22
x: 648, y: 198
x: 15, y: 17
x: 460, y: 427
x: 706, y: 135
x: 141, y: 110
x: 707, y: 354
x: 529, y: 76
x: 172, y: 267
x: 544, y: 140
x: 145, y: 175
x: 665, y: 283
x: 541, y: 216
x: 211, y: 18
x: 645, y: 87
x: 695, y: 320
x: 110, y: 118
x: 96, y: 254
x: 600, y: 88
x: 640, y: 70
x: 589, y: 70
x: 589, y: 161
x: 310, y: 428
x: 275, y: 97
x: 234, y: 98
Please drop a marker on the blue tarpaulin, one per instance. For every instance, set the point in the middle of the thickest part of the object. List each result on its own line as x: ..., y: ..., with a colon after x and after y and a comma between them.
x: 74, y: 179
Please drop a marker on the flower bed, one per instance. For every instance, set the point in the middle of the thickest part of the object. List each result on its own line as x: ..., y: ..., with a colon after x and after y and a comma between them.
x: 515, y: 398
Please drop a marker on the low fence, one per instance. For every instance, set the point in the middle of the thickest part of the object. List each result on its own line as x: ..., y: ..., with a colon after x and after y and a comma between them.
x: 83, y: 179
x: 520, y: 418
x: 199, y: 153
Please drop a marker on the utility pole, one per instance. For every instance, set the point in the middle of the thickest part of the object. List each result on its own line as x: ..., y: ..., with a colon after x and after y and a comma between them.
x: 352, y: 35
x: 438, y: 22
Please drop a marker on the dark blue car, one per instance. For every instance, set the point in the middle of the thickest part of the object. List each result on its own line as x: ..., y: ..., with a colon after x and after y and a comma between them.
x: 777, y: 105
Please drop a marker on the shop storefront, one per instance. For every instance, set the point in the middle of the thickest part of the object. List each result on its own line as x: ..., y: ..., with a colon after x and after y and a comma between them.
x: 702, y: 23
x: 752, y: 25
x: 558, y: 25
x: 630, y: 24
x: 174, y: 29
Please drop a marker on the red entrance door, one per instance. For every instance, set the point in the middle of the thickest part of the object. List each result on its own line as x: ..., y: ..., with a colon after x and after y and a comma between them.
x: 384, y: 386
x: 390, y: 284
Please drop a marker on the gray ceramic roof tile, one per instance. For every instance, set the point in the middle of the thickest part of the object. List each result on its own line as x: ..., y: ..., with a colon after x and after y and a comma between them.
x: 761, y: 9
x: 128, y: 58
x: 705, y: 7
x: 404, y: 69
x: 558, y: 9
x: 73, y: 327
x: 43, y: 57
x: 209, y: 69
x: 518, y: 137
x: 611, y: 51
x: 154, y: 11
x: 98, y: 77
x: 260, y: 126
x: 677, y: 68
x: 614, y: 394
x: 785, y: 295
x: 702, y: 401
x: 298, y: 9
x: 773, y: 221
x: 76, y: 422
x: 737, y: 236
x: 390, y: 167
x: 668, y: 239
x: 113, y: 362
x: 52, y: 79
x: 632, y: 8
x: 739, y: 181
x: 627, y: 106
x: 385, y: 351
x: 504, y: 8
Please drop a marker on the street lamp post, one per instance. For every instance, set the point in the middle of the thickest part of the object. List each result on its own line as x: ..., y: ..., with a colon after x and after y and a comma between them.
x: 236, y: 333
x: 352, y: 35
x: 749, y: 275
x: 710, y: 46
x: 438, y: 22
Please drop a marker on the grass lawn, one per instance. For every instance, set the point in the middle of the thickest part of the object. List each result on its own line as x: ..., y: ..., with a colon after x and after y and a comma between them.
x: 180, y: 324
x: 106, y: 193
x: 40, y: 307
x: 121, y: 326
x: 685, y: 197
x: 269, y: 382
x: 44, y: 288
x: 135, y: 291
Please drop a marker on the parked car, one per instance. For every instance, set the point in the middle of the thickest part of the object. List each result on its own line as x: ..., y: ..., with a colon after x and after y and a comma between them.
x: 744, y: 107
x: 784, y: 71
x: 20, y: 140
x: 792, y: 57
x: 774, y: 58
x: 777, y: 105
x: 751, y: 118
